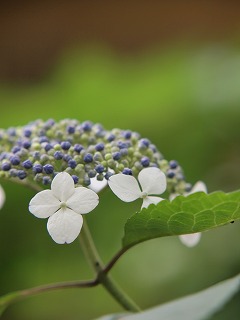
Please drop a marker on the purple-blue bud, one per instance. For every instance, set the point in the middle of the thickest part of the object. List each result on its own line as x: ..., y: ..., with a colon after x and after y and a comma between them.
x: 21, y: 174
x: 70, y: 129
x: 99, y: 168
x: 78, y: 148
x: 6, y: 166
x: 65, y: 145
x: 27, y: 133
x: 173, y: 164
x: 26, y: 144
x: 75, y: 179
x: 116, y: 155
x: 170, y: 174
x: 58, y: 155
x: 127, y: 171
x: 48, y: 147
x: 100, y: 146
x: 72, y: 163
x: 27, y: 164
x: 145, y: 161
x: 48, y: 168
x: 88, y: 158
x: 15, y: 160
x: 37, y: 168
x: 87, y: 126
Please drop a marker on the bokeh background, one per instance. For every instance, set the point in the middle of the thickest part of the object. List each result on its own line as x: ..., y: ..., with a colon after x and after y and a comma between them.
x: 169, y: 70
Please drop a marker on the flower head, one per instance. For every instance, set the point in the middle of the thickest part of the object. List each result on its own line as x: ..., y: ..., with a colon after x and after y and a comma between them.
x: 192, y: 239
x: 64, y: 206
x: 39, y: 150
x: 2, y: 197
x: 151, y: 182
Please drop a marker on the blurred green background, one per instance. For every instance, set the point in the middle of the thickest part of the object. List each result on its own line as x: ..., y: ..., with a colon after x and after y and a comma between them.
x: 168, y: 71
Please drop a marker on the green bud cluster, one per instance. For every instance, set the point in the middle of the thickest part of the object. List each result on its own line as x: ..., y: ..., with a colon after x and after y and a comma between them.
x: 38, y: 151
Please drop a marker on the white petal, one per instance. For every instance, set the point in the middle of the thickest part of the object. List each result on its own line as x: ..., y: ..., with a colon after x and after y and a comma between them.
x: 149, y: 200
x: 2, y: 197
x: 190, y: 240
x: 64, y: 226
x: 62, y: 186
x: 152, y: 180
x: 96, y: 185
x: 83, y: 200
x: 199, y: 186
x: 44, y: 204
x: 125, y: 187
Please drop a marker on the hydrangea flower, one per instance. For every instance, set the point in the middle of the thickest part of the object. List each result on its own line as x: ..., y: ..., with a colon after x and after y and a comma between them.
x: 63, y: 205
x: 192, y: 239
x: 151, y: 182
x: 2, y: 197
x: 87, y: 151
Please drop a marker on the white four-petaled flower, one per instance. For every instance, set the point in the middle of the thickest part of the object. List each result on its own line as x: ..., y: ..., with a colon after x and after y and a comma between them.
x: 192, y: 239
x: 63, y: 205
x: 151, y: 182
x: 2, y: 197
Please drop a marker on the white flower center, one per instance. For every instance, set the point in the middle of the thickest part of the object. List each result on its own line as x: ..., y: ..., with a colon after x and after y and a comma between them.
x: 63, y: 205
x: 144, y: 195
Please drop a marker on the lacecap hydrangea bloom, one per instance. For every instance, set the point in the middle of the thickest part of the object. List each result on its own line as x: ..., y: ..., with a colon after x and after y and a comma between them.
x: 89, y: 153
x: 67, y: 153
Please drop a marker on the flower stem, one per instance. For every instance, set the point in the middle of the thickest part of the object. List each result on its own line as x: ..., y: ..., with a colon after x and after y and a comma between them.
x: 105, y: 279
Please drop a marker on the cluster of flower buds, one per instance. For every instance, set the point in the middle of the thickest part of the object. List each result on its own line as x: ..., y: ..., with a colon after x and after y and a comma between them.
x: 38, y: 151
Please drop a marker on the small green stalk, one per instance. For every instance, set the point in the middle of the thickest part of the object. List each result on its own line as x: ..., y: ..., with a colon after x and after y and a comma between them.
x: 94, y: 260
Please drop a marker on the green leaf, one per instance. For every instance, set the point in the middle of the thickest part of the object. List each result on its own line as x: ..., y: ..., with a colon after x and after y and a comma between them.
x: 194, y: 213
x: 198, y: 306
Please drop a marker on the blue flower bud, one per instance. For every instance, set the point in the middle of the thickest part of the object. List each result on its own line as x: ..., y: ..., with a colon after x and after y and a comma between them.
x: 173, y: 164
x: 6, y: 166
x: 75, y: 179
x: 127, y: 134
x: 43, y: 139
x: 48, y: 147
x: 15, y: 149
x: 27, y: 164
x: 78, y: 148
x: 116, y: 155
x: 15, y: 160
x: 46, y: 180
x: 21, y: 174
x: 127, y: 171
x: 48, y: 168
x: 27, y: 133
x: 72, y: 163
x: 87, y: 126
x: 37, y: 168
x: 111, y: 137
x: 92, y: 173
x: 67, y: 157
x: 170, y: 174
x: 108, y: 175
x: 145, y: 161
x: 58, y: 155
x: 100, y: 146
x: 88, y: 158
x: 99, y: 168
x: 70, y: 129
x: 65, y: 145
x: 26, y: 144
